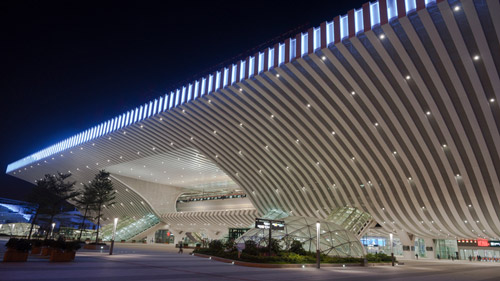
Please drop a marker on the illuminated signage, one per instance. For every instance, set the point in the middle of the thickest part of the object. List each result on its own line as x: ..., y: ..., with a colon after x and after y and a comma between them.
x: 266, y: 224
x: 467, y: 242
x: 478, y: 243
x: 483, y: 243
x: 494, y: 243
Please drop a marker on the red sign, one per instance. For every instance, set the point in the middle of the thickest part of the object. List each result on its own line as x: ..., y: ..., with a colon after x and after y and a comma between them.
x: 483, y: 243
x: 168, y: 233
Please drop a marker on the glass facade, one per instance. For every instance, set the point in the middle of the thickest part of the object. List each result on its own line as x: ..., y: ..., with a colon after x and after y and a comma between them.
x: 380, y: 244
x: 484, y: 255
x: 164, y: 236
x: 445, y: 249
x: 334, y: 239
x: 420, y: 248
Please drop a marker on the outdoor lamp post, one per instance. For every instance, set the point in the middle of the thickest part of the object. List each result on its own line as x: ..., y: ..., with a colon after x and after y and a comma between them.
x: 52, y: 231
x: 392, y: 249
x: 113, y: 237
x: 318, y: 228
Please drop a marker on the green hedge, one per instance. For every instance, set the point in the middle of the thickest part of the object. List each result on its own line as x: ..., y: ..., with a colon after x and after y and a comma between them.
x: 253, y: 253
x: 281, y: 258
x: 378, y: 257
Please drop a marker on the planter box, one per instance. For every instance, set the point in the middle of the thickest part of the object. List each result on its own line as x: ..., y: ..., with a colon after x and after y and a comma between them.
x: 46, y: 251
x: 59, y: 256
x: 96, y: 247
x: 36, y: 250
x: 15, y: 256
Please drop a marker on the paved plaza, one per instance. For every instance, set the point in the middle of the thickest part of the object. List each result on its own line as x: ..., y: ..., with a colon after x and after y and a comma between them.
x: 161, y: 262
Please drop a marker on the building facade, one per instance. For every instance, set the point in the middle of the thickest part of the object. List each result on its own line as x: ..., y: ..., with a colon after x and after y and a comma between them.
x: 390, y: 111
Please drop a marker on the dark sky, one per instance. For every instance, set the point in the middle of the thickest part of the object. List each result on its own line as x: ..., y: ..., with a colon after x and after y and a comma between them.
x: 66, y: 66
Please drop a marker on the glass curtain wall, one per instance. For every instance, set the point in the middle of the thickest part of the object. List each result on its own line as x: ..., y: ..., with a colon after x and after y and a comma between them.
x: 445, y: 249
x: 420, y: 248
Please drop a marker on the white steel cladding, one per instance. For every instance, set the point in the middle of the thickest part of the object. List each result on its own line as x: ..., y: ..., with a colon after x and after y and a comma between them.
x: 410, y: 5
x: 415, y: 114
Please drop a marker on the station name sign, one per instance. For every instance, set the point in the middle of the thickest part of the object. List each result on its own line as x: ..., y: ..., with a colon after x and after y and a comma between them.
x: 494, y: 243
x: 266, y: 224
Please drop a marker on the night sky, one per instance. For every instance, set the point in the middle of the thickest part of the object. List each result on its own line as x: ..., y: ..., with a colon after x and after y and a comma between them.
x: 66, y: 66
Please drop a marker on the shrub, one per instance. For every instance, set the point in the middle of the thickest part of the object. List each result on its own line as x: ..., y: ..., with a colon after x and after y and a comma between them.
x: 251, y: 248
x: 215, y: 245
x: 66, y: 246
x: 48, y: 243
x: 275, y: 246
x: 230, y: 245
x: 21, y: 245
x: 378, y: 257
x: 297, y: 248
x: 297, y: 258
x: 261, y: 259
x: 36, y: 242
x: 329, y: 259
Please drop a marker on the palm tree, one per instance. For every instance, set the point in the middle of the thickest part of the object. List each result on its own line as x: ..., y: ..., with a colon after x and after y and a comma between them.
x: 87, y: 201
x: 102, y: 188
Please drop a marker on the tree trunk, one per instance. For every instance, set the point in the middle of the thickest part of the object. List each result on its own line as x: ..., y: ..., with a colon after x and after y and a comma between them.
x: 98, y: 225
x: 50, y: 225
x: 83, y: 222
x: 33, y: 223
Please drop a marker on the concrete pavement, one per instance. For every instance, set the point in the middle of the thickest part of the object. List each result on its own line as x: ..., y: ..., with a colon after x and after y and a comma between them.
x: 161, y: 262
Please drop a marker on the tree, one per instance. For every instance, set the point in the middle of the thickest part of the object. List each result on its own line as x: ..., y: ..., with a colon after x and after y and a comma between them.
x: 50, y: 194
x: 41, y: 196
x: 102, y: 188
x: 87, y: 202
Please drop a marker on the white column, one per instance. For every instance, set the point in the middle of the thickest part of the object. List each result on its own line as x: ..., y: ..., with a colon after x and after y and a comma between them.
x: 429, y: 242
x: 408, y: 241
